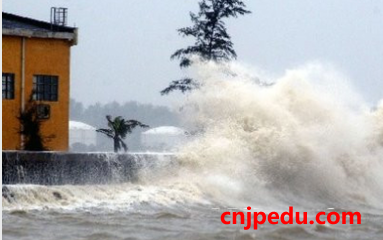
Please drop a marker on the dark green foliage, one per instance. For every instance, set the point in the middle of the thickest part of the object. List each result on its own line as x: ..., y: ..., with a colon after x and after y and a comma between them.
x: 184, y: 85
x: 31, y: 128
x: 212, y: 42
x: 118, y: 129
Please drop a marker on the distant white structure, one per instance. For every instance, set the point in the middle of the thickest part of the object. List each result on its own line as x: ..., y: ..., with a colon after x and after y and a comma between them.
x: 83, y: 133
x: 164, y: 138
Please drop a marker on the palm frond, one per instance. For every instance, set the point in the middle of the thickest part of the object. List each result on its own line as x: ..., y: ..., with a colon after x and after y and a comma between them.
x: 134, y: 123
x: 107, y: 132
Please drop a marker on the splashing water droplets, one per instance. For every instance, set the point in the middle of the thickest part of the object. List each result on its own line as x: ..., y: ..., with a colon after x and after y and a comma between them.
x: 307, y: 137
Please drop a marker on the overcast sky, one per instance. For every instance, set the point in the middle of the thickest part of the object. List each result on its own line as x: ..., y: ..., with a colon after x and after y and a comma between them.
x: 124, y: 45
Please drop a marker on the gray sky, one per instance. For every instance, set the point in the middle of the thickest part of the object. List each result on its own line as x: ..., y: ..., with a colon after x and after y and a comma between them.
x: 124, y: 45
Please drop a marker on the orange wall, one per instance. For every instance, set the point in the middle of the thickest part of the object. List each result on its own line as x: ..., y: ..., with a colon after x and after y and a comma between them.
x: 45, y: 57
x: 11, y: 107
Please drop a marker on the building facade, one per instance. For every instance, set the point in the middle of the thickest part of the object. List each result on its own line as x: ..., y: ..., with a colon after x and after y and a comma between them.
x: 36, y: 64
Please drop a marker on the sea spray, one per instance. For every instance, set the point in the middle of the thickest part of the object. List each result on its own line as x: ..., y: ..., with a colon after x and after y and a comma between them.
x: 308, y: 139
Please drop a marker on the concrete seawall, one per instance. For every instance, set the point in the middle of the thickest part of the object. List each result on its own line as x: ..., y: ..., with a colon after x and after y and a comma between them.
x: 58, y: 168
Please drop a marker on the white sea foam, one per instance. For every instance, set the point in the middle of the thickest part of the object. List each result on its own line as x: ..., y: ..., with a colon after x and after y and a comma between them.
x: 308, y: 138
x: 119, y: 197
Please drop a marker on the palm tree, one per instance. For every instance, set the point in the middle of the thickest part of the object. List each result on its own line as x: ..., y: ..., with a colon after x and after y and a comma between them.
x: 118, y: 129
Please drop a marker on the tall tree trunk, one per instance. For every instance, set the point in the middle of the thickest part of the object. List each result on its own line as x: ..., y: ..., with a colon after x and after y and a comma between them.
x: 115, y: 140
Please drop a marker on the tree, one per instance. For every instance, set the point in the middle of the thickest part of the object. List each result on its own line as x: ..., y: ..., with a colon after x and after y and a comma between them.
x: 212, y: 42
x: 118, y: 129
x: 31, y: 127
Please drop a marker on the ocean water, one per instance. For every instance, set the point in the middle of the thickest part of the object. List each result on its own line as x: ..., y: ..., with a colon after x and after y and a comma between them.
x: 153, y: 212
x: 306, y: 140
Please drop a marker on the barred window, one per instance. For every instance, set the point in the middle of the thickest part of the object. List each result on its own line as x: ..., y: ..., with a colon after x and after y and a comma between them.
x: 8, y: 86
x: 45, y: 87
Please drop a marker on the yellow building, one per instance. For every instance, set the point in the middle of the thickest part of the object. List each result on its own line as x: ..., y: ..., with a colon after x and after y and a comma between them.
x: 36, y: 60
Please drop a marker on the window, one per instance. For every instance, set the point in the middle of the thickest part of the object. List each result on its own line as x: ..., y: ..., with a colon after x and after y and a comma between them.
x: 45, y: 88
x: 8, y: 86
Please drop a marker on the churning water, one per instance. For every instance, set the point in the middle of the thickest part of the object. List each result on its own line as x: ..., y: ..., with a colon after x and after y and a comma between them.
x: 307, y: 140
